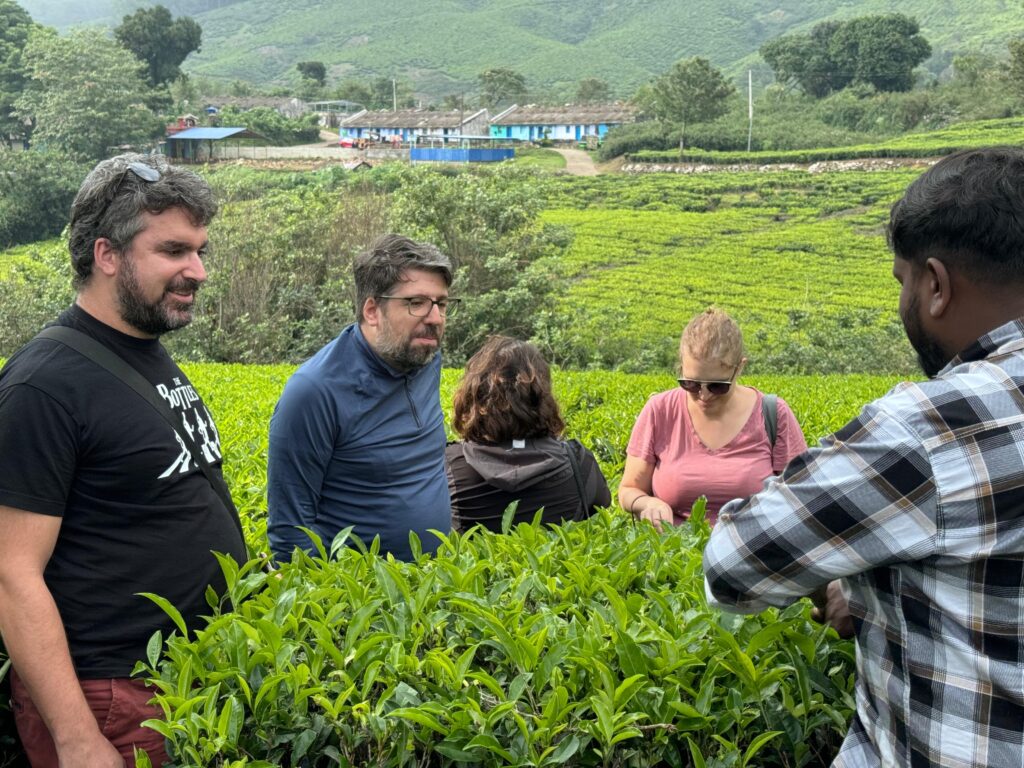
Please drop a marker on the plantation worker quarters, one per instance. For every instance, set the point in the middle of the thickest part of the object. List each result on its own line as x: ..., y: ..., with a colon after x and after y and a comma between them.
x: 569, y: 123
x: 409, y: 125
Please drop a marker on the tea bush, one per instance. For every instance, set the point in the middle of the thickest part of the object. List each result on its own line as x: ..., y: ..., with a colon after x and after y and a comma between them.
x: 589, y: 644
x: 597, y: 590
x: 601, y: 272
x: 978, y: 133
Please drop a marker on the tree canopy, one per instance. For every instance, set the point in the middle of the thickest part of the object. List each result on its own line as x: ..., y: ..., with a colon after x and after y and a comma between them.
x: 85, y: 93
x: 313, y: 70
x: 692, y: 91
x: 162, y: 43
x: 881, y: 51
x: 15, y: 26
x: 592, y: 90
x: 501, y: 85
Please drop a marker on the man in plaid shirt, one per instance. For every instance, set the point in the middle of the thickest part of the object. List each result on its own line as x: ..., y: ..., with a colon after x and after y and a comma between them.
x: 917, y: 505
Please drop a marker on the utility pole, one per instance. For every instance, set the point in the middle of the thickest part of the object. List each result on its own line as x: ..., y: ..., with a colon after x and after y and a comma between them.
x: 750, y: 107
x: 394, y: 96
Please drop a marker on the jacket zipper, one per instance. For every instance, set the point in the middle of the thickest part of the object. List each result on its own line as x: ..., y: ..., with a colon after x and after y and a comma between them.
x: 412, y: 405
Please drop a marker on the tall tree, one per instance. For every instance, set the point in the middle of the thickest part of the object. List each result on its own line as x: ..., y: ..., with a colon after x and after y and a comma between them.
x: 880, y: 50
x: 15, y: 26
x: 692, y: 91
x: 355, y: 91
x: 85, y: 93
x: 387, y: 93
x: 501, y: 85
x: 592, y: 90
x: 313, y: 70
x: 806, y: 61
x: 162, y: 43
x: 877, y: 50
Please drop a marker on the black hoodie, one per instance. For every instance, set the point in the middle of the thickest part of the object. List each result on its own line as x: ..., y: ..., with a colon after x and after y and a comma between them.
x: 484, y: 479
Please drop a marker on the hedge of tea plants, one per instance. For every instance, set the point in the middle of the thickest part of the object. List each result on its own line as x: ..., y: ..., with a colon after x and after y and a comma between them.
x: 799, y: 260
x: 591, y: 644
x: 936, y: 143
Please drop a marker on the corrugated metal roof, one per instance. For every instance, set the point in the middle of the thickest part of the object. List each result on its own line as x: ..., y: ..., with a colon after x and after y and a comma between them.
x: 568, y: 115
x: 411, y: 118
x: 215, y: 134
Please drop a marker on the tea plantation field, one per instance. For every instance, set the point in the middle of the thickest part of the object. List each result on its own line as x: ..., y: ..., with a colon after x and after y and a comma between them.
x: 586, y: 645
x: 799, y: 259
x: 934, y: 143
x: 599, y: 407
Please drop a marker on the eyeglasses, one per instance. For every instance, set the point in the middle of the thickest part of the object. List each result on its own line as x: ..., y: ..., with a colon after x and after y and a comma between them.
x: 420, y: 306
x: 146, y: 173
x: 693, y: 386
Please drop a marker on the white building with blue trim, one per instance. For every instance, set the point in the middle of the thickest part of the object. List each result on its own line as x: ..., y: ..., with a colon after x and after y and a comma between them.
x: 568, y: 123
x: 408, y: 125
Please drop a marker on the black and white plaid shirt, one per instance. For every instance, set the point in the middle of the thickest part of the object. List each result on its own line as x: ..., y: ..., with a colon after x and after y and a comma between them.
x: 919, y: 504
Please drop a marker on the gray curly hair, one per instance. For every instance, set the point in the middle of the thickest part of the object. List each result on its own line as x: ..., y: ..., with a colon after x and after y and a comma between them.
x: 117, y: 192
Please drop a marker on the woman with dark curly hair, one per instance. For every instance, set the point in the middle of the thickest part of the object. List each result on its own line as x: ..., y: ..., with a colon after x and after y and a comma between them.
x: 506, y: 414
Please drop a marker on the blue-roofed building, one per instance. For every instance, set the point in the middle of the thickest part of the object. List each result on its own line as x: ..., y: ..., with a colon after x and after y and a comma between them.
x: 197, y: 145
x: 566, y: 124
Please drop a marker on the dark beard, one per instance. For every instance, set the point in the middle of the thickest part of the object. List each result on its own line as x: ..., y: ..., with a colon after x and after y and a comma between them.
x: 930, y: 356
x: 151, y: 318
x: 403, y: 356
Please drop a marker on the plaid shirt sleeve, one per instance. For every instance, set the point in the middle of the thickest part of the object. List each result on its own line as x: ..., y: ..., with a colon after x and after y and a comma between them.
x: 865, y: 498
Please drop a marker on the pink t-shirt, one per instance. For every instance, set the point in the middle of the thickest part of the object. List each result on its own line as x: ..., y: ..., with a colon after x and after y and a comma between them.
x: 684, y: 469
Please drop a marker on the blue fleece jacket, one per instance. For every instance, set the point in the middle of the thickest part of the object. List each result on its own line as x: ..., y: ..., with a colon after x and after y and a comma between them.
x: 354, y: 442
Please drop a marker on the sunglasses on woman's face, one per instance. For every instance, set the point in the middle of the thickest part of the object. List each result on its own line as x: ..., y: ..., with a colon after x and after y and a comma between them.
x: 713, y: 387
x: 693, y: 386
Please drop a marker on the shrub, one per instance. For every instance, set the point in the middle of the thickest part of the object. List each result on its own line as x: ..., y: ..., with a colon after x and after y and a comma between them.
x: 272, y: 124
x: 35, y: 285
x: 36, y: 190
x: 506, y: 261
x: 633, y: 138
x: 588, y: 644
x: 280, y: 295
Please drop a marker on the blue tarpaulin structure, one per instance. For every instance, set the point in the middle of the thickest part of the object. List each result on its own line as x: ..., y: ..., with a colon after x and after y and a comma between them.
x: 459, y: 155
x: 188, y: 145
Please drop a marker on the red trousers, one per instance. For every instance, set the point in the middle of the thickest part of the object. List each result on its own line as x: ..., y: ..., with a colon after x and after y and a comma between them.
x: 119, y: 705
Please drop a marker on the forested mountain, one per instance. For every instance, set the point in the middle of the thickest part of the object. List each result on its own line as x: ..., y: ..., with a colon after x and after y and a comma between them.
x: 441, y: 45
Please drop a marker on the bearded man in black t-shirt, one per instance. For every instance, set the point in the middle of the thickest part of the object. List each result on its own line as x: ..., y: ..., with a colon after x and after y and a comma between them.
x: 101, y: 498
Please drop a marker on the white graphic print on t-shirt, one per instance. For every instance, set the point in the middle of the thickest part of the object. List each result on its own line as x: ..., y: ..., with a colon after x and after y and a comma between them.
x: 201, y: 431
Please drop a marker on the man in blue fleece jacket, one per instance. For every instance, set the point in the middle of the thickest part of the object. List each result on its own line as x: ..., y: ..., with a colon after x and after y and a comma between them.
x: 357, y: 438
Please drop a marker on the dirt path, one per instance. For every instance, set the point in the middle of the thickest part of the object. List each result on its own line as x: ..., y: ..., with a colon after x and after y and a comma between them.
x: 578, y: 162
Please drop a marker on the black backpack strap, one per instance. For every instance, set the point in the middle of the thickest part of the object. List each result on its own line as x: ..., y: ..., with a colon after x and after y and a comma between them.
x: 770, y: 412
x: 584, y: 510
x: 114, y: 364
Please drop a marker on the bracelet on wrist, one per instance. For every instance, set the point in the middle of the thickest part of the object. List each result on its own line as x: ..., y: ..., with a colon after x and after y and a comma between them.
x: 632, y: 506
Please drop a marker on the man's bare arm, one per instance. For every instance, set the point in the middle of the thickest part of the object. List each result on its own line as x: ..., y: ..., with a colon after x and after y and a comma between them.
x: 34, y: 636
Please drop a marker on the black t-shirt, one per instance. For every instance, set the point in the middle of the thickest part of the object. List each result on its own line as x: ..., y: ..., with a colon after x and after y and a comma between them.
x: 138, y: 514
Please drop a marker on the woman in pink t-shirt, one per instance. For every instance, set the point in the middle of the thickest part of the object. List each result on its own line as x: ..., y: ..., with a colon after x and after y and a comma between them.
x: 707, y: 438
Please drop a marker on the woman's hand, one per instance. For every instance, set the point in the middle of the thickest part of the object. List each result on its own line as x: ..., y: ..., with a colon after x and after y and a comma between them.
x: 653, y: 510
x: 635, y: 491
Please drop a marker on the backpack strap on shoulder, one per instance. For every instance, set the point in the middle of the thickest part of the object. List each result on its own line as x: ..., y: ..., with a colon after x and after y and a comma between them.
x: 770, y: 412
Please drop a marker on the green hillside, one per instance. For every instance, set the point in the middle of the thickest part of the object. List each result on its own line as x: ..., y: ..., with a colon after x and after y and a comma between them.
x: 441, y: 45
